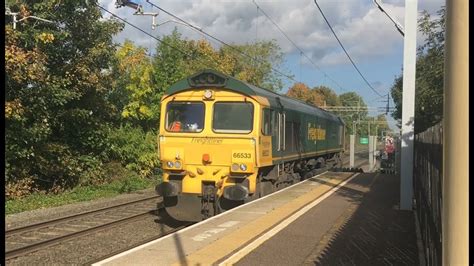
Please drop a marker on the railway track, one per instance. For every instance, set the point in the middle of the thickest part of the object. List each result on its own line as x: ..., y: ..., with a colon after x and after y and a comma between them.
x: 27, y: 239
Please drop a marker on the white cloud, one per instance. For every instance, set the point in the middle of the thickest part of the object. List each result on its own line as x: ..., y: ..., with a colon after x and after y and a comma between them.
x: 366, y: 32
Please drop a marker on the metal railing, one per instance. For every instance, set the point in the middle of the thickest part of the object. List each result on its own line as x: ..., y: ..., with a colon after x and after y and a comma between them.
x: 428, y: 188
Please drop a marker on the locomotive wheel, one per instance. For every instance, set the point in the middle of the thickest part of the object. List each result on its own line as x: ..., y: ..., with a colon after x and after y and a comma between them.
x: 266, y: 188
x: 338, y: 162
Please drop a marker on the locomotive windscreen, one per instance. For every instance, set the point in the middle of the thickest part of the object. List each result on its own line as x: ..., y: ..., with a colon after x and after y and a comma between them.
x: 232, y: 117
x: 185, y: 116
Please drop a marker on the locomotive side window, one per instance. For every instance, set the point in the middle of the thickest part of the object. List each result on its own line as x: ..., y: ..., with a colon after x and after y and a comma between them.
x: 289, y: 136
x: 341, y: 135
x: 232, y: 117
x: 185, y: 116
x: 274, y: 123
x: 266, y: 122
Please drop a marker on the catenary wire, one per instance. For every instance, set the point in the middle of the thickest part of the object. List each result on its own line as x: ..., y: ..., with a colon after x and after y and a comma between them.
x: 220, y: 41
x: 296, y: 46
x: 330, y: 27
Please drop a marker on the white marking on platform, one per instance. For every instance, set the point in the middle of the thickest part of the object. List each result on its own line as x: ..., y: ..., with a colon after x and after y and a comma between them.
x: 229, y: 224
x: 250, y: 212
x: 207, y: 234
x: 214, y: 231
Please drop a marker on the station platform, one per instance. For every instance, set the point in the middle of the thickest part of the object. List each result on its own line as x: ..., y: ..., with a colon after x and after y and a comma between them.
x: 335, y: 218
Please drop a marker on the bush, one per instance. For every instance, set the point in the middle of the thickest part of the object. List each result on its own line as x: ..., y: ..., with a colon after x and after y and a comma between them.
x: 58, y: 168
x: 92, y: 171
x: 53, y: 167
x: 19, y: 189
x: 136, y: 149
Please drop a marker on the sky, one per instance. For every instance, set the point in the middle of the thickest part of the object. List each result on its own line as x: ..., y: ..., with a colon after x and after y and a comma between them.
x: 368, y: 35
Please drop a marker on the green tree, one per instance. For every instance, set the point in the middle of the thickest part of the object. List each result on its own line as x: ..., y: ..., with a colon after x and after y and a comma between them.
x: 169, y: 62
x: 135, y: 78
x: 355, y: 101
x: 380, y: 126
x: 429, y: 74
x: 257, y: 69
x: 177, y: 58
x: 329, y: 97
x: 56, y: 87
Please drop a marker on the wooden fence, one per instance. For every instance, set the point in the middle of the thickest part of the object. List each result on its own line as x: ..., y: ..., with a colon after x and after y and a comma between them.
x: 428, y: 188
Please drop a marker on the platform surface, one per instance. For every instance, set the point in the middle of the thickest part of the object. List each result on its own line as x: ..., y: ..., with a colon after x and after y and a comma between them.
x: 331, y: 219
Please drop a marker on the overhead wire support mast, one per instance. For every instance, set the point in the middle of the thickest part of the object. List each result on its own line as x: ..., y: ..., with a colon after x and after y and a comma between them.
x: 146, y: 33
x: 330, y: 27
x: 8, y: 12
x: 138, y: 28
x: 296, y: 46
x: 219, y: 40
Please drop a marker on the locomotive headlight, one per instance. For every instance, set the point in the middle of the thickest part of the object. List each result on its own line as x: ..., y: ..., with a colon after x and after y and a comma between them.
x: 207, y: 94
x: 243, y: 167
x: 234, y: 167
x: 169, y: 164
x: 177, y: 164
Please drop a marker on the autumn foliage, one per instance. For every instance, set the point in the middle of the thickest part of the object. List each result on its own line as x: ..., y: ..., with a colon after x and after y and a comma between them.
x: 302, y: 92
x: 77, y: 104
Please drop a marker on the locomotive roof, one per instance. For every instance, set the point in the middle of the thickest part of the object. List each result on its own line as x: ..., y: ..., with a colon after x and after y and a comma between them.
x: 227, y: 82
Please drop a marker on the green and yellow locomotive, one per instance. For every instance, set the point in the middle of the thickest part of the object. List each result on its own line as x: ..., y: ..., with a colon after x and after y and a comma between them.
x: 224, y: 142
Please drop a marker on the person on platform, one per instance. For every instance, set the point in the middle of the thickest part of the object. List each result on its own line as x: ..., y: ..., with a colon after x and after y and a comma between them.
x: 390, y: 148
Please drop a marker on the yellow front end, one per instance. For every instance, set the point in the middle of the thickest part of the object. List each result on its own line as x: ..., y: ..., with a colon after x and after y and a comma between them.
x: 230, y: 159
x: 211, y: 147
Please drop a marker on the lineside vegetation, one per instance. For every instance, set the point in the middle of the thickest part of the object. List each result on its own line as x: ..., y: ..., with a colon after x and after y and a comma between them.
x: 82, y: 112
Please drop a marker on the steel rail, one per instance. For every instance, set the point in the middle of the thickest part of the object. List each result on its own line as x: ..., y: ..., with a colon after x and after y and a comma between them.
x: 70, y: 217
x: 54, y: 241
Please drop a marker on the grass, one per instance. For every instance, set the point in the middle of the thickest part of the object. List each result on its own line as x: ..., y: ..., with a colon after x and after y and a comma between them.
x: 79, y: 194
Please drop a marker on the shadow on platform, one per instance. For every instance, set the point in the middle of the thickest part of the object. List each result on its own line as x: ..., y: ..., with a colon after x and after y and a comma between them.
x: 372, y: 231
